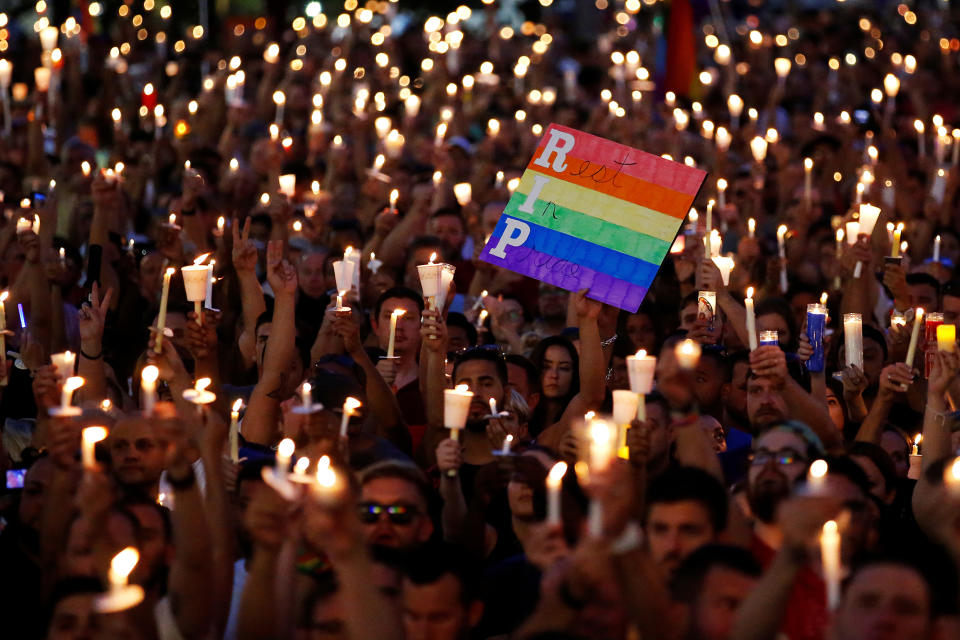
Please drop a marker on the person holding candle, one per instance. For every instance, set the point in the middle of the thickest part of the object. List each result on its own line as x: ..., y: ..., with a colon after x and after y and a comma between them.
x: 402, y: 372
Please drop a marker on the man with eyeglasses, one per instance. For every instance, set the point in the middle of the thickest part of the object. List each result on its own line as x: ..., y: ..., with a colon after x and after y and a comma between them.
x: 394, y: 505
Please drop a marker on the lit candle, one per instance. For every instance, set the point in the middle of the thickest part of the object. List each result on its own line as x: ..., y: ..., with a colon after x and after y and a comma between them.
x: 830, y: 560
x: 914, y: 336
x: 816, y: 324
x: 640, y: 369
x: 554, y: 485
x: 208, y: 295
x: 751, y: 320
x: 853, y: 339
x: 807, y: 180
x: 235, y: 430
x: 897, y: 233
x: 725, y: 264
x: 947, y: 338
x: 394, y: 195
x: 148, y: 388
x: 300, y: 470
x: 936, y: 248
x: 687, y: 353
x: 921, y: 143
x: 121, y: 595
x: 721, y: 192
x: 505, y: 449
x: 279, y: 99
x: 866, y: 224
x: 199, y: 395
x: 288, y: 185
x: 456, y: 407
x: 374, y: 264
x: 3, y: 337
x: 817, y: 477
x: 326, y: 478
x: 625, y: 406
x: 195, y: 284
x: 916, y: 459
x: 350, y: 406
x: 430, y: 280
x: 782, y: 253
x: 64, y: 362
x: 284, y: 455
x: 70, y: 385
x: 751, y: 228
x: 90, y: 437
x: 397, y: 313
x: 306, y: 399
x: 601, y: 445
x: 162, y: 315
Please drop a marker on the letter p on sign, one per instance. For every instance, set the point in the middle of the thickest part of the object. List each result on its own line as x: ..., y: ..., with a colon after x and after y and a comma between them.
x: 515, y: 234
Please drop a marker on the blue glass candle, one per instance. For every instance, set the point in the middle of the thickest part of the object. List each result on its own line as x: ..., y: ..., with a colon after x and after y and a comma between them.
x: 816, y: 323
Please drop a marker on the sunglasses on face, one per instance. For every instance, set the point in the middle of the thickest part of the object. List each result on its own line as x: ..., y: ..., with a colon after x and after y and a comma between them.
x: 399, y: 514
x: 782, y: 457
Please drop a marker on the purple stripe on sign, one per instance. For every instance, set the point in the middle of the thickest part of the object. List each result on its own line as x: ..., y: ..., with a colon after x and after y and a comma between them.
x: 568, y: 275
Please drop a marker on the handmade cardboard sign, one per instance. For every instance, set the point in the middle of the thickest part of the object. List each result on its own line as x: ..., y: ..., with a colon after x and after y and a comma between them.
x: 592, y: 213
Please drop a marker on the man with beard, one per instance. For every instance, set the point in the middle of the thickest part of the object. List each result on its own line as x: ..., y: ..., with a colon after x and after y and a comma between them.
x: 686, y: 509
x: 394, y: 505
x: 779, y: 464
x: 401, y: 373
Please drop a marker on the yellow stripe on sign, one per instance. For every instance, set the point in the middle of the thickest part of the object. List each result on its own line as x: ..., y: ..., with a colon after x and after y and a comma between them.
x: 600, y: 205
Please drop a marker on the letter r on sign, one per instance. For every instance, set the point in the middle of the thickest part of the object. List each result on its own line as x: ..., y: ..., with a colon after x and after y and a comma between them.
x: 560, y: 143
x: 511, y: 239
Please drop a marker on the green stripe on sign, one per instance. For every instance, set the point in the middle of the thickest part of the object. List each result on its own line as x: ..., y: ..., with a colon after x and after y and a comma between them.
x: 595, y: 230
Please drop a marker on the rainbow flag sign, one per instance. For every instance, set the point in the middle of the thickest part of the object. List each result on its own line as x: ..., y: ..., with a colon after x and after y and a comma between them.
x: 592, y: 213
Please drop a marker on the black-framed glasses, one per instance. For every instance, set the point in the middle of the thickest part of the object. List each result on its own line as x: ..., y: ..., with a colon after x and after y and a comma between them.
x: 400, y: 514
x: 781, y: 456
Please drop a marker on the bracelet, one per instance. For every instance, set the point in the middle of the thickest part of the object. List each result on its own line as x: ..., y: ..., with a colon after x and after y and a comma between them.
x: 609, y: 341
x: 182, y: 484
x: 89, y: 357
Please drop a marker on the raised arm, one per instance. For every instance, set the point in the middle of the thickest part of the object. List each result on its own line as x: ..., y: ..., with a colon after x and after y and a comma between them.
x: 891, y: 379
x: 251, y: 294
x: 936, y: 423
x: 91, y: 320
x: 592, y: 371
x: 263, y: 411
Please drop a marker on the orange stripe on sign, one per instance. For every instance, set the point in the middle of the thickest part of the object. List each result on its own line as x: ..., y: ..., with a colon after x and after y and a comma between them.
x: 612, y: 181
x: 642, y: 165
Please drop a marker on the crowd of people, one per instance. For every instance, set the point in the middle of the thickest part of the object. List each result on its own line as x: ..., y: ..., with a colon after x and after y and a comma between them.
x: 278, y: 462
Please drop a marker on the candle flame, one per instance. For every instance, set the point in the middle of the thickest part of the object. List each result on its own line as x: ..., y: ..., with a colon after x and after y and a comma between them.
x: 917, y: 438
x: 920, y: 312
x: 302, y: 465
x: 123, y: 563
x: 462, y: 388
x: 172, y: 219
x: 170, y: 271
x: 750, y: 292
x: 433, y: 257
x: 808, y: 163
x: 350, y: 405
x: 106, y: 405
x: 818, y: 468
x: 73, y: 383
x: 94, y: 434
x: 150, y: 373
x: 830, y: 527
x: 4, y: 296
x: 955, y: 470
x: 202, y: 383
x: 641, y: 353
x: 398, y: 312
x: 237, y: 405
x: 823, y: 298
x: 589, y: 415
x: 557, y: 471
x: 326, y: 477
x: 199, y: 259
x: 286, y: 447
x: 781, y: 231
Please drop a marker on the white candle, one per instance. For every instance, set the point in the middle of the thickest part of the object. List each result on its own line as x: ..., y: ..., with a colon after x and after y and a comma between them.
x: 456, y: 407
x: 3, y: 337
x: 305, y: 398
x: 430, y: 280
x: 493, y: 407
x: 914, y: 336
x: 64, y: 362
x: 936, y: 248
x: 393, y: 330
x: 853, y: 339
x: 284, y: 455
x: 721, y: 192
x: 817, y: 477
x: 830, y: 559
x: 505, y: 449
x: 121, y: 566
x: 866, y: 224
x: 625, y: 406
x: 208, y: 297
x: 195, y: 283
x: 601, y: 446
x: 70, y: 385
x: 148, y: 388
x: 897, y: 233
x: 279, y: 99
x: 326, y: 478
x: 807, y: 180
x: 554, y: 485
x: 751, y: 320
x: 708, y: 230
x: 751, y: 228
x: 90, y: 437
x: 162, y: 316
x: 641, y: 369
x: 782, y: 253
x: 235, y: 430
x: 288, y: 184
x: 350, y: 406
